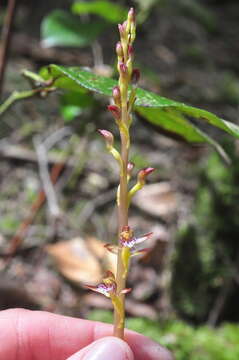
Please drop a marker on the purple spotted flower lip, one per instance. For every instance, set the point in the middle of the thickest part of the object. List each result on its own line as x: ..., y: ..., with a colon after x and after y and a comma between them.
x: 104, y: 289
x: 127, y: 240
x: 108, y: 286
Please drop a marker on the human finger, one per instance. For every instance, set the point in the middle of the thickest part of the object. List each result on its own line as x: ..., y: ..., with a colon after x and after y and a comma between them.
x: 26, y: 334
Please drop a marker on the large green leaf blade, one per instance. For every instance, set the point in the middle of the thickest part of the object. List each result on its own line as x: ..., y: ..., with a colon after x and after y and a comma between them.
x: 172, y: 121
x: 60, y: 28
x: 79, y: 79
x: 165, y: 113
x: 111, y: 12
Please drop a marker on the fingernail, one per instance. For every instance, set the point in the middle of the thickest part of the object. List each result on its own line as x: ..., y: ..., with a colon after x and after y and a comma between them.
x: 104, y: 349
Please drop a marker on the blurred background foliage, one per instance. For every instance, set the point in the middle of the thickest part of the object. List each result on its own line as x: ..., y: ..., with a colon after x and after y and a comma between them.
x: 186, y: 50
x: 205, y: 289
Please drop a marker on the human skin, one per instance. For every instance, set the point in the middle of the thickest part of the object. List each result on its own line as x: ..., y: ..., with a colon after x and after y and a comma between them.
x: 38, y: 335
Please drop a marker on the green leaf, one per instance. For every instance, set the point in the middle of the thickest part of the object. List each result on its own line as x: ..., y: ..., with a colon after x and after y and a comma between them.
x: 60, y: 28
x: 73, y: 104
x: 73, y: 78
x: 169, y: 115
x: 174, y: 122
x: 113, y: 13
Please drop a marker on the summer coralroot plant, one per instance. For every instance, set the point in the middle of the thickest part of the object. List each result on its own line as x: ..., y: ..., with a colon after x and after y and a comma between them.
x: 124, y: 96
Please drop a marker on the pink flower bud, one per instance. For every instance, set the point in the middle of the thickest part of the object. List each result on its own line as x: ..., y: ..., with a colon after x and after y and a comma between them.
x: 119, y: 50
x: 116, y: 95
x: 130, y: 51
x: 122, y: 28
x: 109, y: 138
x: 115, y: 111
x: 132, y: 15
x: 130, y: 168
x: 144, y: 173
x: 135, y: 76
x: 123, y: 69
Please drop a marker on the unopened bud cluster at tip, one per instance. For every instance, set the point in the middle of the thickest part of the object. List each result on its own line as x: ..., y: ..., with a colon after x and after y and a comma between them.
x: 124, y: 48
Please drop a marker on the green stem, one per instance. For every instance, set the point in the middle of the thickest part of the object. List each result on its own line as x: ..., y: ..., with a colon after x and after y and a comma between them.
x: 15, y: 96
x: 119, y: 319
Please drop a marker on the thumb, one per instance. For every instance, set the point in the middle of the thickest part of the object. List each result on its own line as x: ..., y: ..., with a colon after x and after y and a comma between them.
x: 105, y: 348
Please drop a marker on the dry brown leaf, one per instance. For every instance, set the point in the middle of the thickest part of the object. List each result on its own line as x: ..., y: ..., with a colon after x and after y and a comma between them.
x: 75, y: 261
x: 82, y: 261
x: 157, y: 199
x: 96, y: 247
x: 107, y: 259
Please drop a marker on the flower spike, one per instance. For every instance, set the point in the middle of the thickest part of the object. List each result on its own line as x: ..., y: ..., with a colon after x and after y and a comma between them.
x: 124, y: 96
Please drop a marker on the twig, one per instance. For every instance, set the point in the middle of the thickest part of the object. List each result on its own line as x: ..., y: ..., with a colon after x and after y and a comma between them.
x: 21, y: 153
x: 42, y: 148
x: 19, y: 95
x: 89, y: 209
x: 56, y: 136
x: 6, y: 37
x: 17, y: 239
x: 57, y: 168
x: 15, y: 96
x: 46, y: 180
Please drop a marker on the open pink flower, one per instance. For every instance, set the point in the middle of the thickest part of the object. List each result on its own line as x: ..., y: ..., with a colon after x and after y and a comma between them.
x: 128, y: 240
x: 108, y: 286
